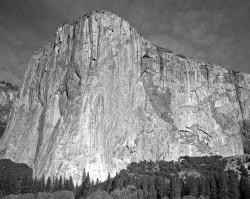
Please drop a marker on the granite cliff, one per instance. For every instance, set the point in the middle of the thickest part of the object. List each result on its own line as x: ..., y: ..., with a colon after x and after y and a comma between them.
x: 102, y: 96
x: 8, y: 93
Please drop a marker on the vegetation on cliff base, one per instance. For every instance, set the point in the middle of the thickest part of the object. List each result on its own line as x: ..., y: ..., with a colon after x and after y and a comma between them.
x: 189, y: 178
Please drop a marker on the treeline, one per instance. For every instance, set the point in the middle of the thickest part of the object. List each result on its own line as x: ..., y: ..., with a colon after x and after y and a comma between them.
x: 201, y: 177
x: 218, y: 185
x: 17, y: 179
x: 191, y: 177
x: 9, y: 85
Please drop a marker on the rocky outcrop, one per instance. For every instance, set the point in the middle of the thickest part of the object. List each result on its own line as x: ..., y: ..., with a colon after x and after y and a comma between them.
x: 7, y: 96
x: 102, y: 96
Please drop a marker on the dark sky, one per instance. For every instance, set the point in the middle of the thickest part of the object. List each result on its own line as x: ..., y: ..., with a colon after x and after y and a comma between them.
x: 210, y: 30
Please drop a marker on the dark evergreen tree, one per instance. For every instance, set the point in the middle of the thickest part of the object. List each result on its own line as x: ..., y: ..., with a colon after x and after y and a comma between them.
x: 35, y: 186
x: 138, y: 182
x: 85, y: 185
x: 175, y: 187
x: 202, y: 186
x: 114, y: 183
x: 213, y: 188
x: 81, y: 187
x: 26, y: 184
x: 97, y: 184
x: 233, y: 185
x: 55, y: 184
x: 222, y: 186
x: 207, y: 189
x: 167, y: 189
x: 92, y: 187
x: 107, y: 186
x: 160, y: 187
x: 120, y: 182
x: 144, y: 187
x: 60, y: 184
x: 152, y: 194
x: 66, y: 184
x: 48, y: 185
x: 42, y: 184
x: 131, y: 180
x: 71, y: 184
x: 78, y: 193
x: 244, y: 188
x: 9, y: 184
x: 184, y: 189
x: 192, y: 183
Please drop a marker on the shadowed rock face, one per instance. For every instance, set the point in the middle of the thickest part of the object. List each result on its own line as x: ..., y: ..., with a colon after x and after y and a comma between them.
x: 102, y: 96
x: 7, y: 96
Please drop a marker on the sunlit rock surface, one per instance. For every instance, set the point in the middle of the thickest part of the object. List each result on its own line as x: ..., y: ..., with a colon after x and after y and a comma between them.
x: 102, y: 96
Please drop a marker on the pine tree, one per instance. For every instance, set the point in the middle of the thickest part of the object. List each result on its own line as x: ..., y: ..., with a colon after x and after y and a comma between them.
x: 7, y: 185
x: 65, y: 184
x: 114, y: 183
x: 107, y: 186
x: 24, y: 184
x: 175, y: 187
x: 42, y: 184
x: 78, y: 193
x: 160, y: 187
x: 192, y: 186
x: 131, y: 180
x: 168, y: 189
x: 60, y: 184
x: 222, y: 186
x: 144, y: 187
x: 213, y: 188
x: 97, y: 184
x: 207, y: 189
x: 35, y: 186
x: 184, y: 188
x: 202, y: 186
x: 55, y: 184
x: 138, y: 183
x: 233, y: 185
x: 120, y: 182
x: 152, y: 194
x: 71, y: 184
x: 92, y: 187
x: 244, y: 188
x: 81, y: 187
x: 85, y: 185
x: 48, y: 185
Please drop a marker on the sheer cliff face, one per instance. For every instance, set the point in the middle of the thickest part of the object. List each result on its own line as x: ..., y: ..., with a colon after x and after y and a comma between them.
x: 102, y: 96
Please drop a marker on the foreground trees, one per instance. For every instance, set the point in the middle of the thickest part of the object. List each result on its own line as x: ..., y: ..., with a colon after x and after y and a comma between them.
x: 191, y: 178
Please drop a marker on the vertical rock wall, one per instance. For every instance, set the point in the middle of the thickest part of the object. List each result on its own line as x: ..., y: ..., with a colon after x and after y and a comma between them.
x: 102, y: 96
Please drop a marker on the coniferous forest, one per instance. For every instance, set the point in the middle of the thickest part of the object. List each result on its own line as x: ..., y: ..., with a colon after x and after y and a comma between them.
x: 188, y: 178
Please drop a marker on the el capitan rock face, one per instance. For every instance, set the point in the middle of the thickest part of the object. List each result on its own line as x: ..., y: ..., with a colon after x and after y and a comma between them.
x: 102, y: 96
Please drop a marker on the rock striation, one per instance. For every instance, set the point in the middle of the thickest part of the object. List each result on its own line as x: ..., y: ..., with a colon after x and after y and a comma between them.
x: 8, y: 93
x: 102, y: 96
